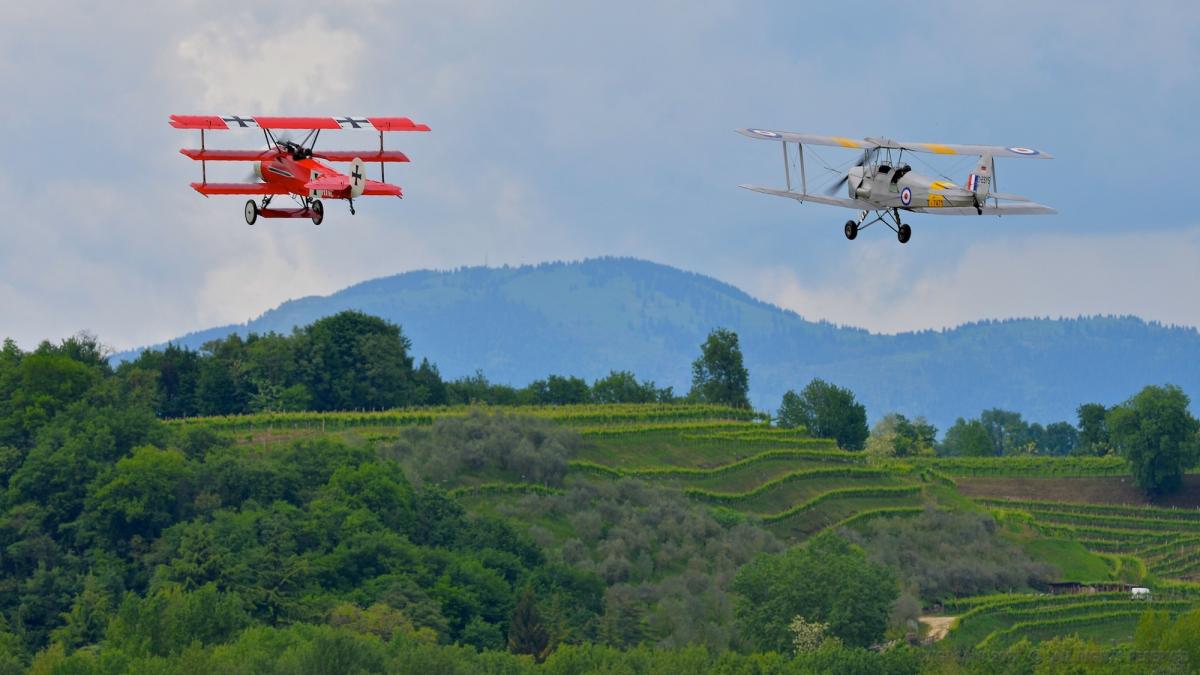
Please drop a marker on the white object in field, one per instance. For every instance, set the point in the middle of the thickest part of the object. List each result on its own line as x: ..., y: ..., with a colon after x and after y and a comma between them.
x: 1139, y: 593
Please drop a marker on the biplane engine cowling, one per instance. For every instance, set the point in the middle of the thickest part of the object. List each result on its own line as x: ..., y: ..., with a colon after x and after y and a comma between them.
x: 358, y: 178
x: 859, y: 189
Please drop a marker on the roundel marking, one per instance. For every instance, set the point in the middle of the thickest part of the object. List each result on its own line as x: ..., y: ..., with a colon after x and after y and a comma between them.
x: 764, y: 133
x: 906, y: 196
x: 1024, y: 151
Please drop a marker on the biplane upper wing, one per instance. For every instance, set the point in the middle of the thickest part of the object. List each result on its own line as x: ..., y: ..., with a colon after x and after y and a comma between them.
x: 223, y: 122
x: 239, y: 189
x: 806, y: 139
x: 818, y: 199
x: 953, y: 149
x: 911, y: 146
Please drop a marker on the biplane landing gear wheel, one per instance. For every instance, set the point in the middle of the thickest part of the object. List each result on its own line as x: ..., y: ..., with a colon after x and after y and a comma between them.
x: 851, y: 229
x: 904, y: 234
x: 318, y: 211
x: 251, y: 212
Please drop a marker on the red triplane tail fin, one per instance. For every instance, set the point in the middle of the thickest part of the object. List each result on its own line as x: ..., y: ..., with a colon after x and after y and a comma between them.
x: 981, y: 177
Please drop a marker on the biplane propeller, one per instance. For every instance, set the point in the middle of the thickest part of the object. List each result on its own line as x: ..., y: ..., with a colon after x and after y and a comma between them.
x: 295, y: 168
x: 880, y: 183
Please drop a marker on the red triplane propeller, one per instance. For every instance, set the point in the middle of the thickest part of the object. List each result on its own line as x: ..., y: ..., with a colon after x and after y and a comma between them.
x: 291, y: 168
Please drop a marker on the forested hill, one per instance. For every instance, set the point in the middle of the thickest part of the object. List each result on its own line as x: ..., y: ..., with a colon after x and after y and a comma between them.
x: 586, y: 318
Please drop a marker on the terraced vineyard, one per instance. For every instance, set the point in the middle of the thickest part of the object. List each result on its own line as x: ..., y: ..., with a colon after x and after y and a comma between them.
x: 1167, y: 541
x: 998, y: 621
x: 734, y: 462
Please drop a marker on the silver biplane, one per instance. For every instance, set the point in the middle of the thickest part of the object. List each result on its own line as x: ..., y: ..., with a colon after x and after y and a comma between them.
x: 880, y: 183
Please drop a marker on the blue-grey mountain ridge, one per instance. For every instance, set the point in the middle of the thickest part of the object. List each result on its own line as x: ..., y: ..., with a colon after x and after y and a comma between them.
x: 517, y: 324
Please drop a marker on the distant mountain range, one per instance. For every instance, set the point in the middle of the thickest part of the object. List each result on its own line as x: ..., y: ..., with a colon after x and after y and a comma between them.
x: 517, y: 324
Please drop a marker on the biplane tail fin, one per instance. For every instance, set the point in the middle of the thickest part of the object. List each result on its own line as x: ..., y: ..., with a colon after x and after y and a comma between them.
x: 980, y: 179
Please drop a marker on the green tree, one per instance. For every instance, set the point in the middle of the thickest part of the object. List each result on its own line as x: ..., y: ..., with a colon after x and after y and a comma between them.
x: 968, y: 439
x: 1093, y: 429
x: 147, y: 492
x: 622, y: 387
x: 1009, y: 433
x: 718, y: 375
x: 428, y: 384
x: 897, y: 436
x: 1060, y: 438
x: 826, y: 580
x: 526, y: 632
x: 354, y: 360
x: 826, y: 411
x: 1157, y: 435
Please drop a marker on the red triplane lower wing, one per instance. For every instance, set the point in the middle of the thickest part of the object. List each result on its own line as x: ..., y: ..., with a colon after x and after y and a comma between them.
x: 239, y: 189
x: 223, y: 122
x: 339, y: 183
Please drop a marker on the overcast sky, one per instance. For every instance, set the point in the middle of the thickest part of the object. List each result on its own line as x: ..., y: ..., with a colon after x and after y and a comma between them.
x: 574, y: 130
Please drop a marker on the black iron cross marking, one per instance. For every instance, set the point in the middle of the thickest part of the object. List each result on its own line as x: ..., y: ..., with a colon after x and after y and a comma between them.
x: 241, y: 121
x: 355, y: 122
x: 356, y: 174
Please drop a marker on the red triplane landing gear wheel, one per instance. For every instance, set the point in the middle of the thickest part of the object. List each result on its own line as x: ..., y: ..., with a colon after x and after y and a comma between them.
x: 251, y: 212
x: 318, y: 211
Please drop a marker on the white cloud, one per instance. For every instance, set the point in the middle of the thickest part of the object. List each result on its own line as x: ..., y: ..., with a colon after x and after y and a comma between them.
x: 1151, y: 273
x: 243, y: 65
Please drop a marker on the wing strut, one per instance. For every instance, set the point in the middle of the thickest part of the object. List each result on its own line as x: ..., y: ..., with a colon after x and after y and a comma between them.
x: 382, y: 173
x: 203, y: 163
x: 787, y: 174
x: 803, y: 178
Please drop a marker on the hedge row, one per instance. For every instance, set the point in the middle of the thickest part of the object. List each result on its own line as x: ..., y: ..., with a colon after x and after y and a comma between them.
x: 1025, y: 466
x: 1116, y: 522
x: 843, y: 493
x: 1065, y: 622
x: 996, y: 600
x: 641, y: 427
x: 1110, y: 510
x: 790, y: 477
x: 618, y: 413
x: 883, y: 512
x: 697, y: 472
x: 1133, y: 537
x: 504, y: 488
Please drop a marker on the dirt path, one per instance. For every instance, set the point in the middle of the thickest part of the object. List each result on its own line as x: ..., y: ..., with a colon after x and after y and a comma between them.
x: 938, y: 626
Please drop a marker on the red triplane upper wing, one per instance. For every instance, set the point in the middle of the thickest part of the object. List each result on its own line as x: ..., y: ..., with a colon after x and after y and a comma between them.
x: 222, y: 122
x: 372, y: 156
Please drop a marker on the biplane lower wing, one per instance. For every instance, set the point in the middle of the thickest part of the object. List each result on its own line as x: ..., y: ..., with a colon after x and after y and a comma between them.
x: 239, y: 189
x: 817, y: 199
x: 1020, y: 209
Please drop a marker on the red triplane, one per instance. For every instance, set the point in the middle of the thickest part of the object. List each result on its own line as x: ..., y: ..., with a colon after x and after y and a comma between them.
x: 291, y: 168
